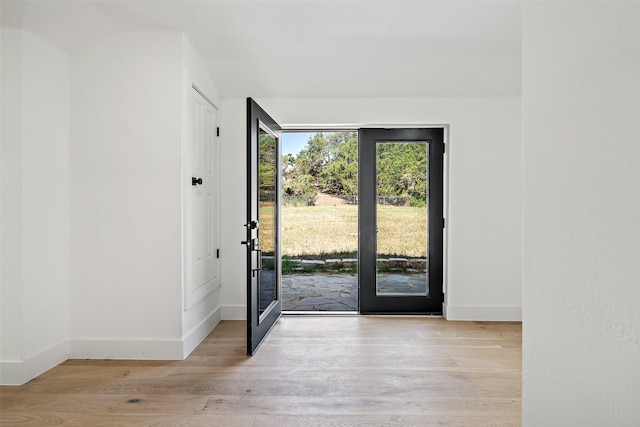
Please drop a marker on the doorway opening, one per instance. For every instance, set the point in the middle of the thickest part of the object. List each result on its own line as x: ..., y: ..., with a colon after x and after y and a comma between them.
x: 378, y: 180
x: 319, y: 226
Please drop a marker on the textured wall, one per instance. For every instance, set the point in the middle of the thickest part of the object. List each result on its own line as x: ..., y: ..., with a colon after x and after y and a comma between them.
x: 581, y: 118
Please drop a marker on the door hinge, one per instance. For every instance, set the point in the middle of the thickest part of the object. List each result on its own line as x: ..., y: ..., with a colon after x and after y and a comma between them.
x: 443, y: 223
x: 444, y: 148
x: 217, y: 253
x: 217, y: 131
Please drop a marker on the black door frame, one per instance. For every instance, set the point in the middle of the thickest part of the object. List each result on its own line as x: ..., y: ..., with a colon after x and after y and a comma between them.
x: 369, y: 302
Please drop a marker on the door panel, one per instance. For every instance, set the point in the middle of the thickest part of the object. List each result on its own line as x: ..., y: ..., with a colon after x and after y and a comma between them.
x: 401, y: 220
x: 263, y: 225
x: 202, y: 230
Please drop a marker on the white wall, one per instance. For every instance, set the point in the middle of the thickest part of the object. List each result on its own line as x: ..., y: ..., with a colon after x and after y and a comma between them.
x: 92, y: 201
x: 484, y: 216
x: 199, y: 319
x: 129, y: 95
x: 126, y: 236
x: 11, y: 203
x: 35, y: 216
x: 581, y: 117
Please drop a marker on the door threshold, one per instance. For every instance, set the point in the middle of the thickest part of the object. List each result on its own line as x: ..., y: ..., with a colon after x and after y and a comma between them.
x: 319, y: 313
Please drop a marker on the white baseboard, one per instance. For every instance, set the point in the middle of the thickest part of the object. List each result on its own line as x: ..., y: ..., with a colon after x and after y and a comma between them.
x: 145, y: 349
x: 234, y: 312
x: 18, y: 372
x: 482, y: 313
x: 200, y: 332
x: 126, y: 349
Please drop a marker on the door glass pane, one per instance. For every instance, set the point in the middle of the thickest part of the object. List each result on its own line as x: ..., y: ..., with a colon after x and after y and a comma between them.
x: 267, y: 292
x: 402, y: 189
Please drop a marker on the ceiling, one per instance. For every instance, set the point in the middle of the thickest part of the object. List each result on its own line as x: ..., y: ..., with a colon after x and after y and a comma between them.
x: 312, y: 48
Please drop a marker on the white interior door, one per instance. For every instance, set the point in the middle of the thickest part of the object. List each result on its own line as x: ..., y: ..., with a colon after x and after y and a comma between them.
x: 203, y: 271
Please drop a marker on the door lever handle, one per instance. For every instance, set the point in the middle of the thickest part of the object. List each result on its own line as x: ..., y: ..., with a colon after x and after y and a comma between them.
x: 196, y: 181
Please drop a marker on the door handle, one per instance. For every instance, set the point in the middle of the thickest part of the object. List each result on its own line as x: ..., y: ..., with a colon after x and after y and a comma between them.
x: 255, y: 261
x: 196, y: 181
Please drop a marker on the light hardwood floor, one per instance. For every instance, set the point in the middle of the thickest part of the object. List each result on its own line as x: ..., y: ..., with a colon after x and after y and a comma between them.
x: 311, y: 371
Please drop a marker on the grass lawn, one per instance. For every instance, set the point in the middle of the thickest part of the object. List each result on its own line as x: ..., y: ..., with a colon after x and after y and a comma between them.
x: 332, y: 231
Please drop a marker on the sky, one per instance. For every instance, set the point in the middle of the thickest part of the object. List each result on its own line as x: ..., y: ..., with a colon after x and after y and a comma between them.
x: 293, y: 142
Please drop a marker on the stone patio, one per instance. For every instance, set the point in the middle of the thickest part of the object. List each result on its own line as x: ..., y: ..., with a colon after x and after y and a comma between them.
x: 339, y: 292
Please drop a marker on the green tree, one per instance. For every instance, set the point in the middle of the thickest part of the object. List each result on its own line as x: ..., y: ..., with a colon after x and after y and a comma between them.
x: 295, y: 182
x: 329, y: 164
x: 267, y: 167
x: 402, y: 172
x: 340, y: 175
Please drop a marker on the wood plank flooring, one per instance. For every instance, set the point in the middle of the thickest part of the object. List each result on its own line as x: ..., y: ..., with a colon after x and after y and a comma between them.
x: 311, y: 371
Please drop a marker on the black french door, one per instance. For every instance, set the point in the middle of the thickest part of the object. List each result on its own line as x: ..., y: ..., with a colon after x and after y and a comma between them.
x: 400, y: 214
x: 264, y: 302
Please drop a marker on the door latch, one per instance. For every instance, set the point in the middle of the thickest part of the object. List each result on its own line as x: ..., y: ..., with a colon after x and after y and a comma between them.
x: 196, y: 181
